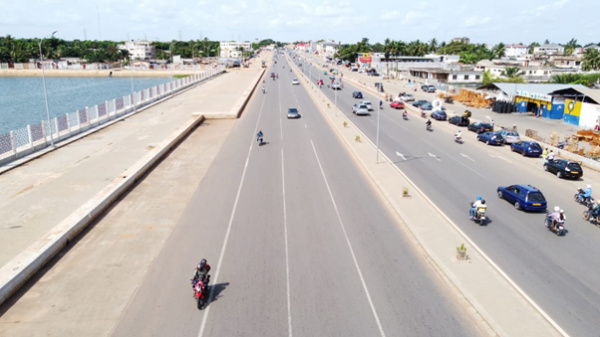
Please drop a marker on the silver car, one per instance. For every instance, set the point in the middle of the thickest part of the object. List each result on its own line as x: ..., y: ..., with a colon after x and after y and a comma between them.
x: 510, y: 136
x: 407, y: 98
x: 293, y: 113
x: 295, y: 81
x: 368, y: 104
x: 360, y: 109
x: 336, y: 86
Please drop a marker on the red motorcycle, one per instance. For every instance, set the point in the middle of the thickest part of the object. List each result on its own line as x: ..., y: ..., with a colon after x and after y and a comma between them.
x: 200, y: 288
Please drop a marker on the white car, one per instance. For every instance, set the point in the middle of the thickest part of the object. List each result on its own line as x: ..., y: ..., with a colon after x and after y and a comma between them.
x: 336, y: 86
x: 360, y: 109
x: 295, y: 81
x: 510, y: 136
x: 368, y: 104
x: 407, y: 98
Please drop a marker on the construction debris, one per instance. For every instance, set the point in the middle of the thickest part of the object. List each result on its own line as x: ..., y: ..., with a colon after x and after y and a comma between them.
x: 472, y: 99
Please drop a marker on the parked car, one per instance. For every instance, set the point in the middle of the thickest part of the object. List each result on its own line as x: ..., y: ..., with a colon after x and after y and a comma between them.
x: 407, y: 97
x: 479, y: 127
x: 490, y: 138
x: 530, y: 149
x: 354, y: 69
x: 523, y: 197
x: 427, y: 106
x: 564, y: 168
x: 272, y: 75
x: 430, y: 88
x: 293, y: 113
x: 368, y: 104
x: 439, y: 115
x: 419, y: 103
x: 510, y: 136
x: 295, y: 81
x: 397, y: 105
x: 459, y: 120
x: 357, y: 94
x: 360, y: 109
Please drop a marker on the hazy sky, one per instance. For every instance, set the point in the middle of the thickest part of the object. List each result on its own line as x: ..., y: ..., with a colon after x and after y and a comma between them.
x: 348, y: 21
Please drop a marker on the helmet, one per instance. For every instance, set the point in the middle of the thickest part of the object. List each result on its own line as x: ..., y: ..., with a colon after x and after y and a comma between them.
x: 589, y: 186
x: 556, y: 208
x: 482, y: 202
x: 562, y: 210
x: 202, y: 264
x: 479, y: 198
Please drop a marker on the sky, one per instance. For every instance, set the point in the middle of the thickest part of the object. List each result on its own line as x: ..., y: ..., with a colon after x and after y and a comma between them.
x: 345, y: 21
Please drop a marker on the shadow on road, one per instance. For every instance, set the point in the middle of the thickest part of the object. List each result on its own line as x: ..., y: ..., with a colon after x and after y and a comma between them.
x: 217, y: 289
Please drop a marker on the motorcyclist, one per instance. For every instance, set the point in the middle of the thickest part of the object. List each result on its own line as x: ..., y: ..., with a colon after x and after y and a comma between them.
x: 380, y: 104
x: 404, y: 114
x: 201, y: 272
x: 554, y: 217
x: 259, y: 137
x: 263, y: 89
x: 474, y: 206
x: 587, y: 193
x: 428, y: 124
x: 596, y: 208
x: 458, y: 135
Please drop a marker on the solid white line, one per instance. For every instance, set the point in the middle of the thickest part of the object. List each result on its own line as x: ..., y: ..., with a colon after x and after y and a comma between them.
x: 285, y: 233
x: 226, y: 239
x: 362, y: 280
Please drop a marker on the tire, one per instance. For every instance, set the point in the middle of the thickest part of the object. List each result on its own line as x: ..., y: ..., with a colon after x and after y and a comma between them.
x: 524, y: 153
x: 200, y: 303
x: 559, y: 174
x: 517, y: 206
x: 576, y: 197
x: 512, y: 149
x: 487, y: 142
x: 546, y: 168
x: 500, y: 195
x: 586, y: 215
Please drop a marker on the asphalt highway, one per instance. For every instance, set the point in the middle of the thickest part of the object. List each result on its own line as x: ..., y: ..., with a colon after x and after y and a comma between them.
x: 561, y: 274
x: 299, y: 241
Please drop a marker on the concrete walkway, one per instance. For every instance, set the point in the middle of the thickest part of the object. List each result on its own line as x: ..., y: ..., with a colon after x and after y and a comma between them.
x: 45, y: 198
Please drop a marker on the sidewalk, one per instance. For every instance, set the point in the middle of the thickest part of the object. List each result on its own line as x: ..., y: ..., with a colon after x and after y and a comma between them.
x: 492, y: 296
x: 46, y: 202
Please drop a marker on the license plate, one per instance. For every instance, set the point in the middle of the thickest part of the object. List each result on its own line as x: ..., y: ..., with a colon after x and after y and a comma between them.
x: 574, y: 172
x: 537, y: 204
x: 535, y: 151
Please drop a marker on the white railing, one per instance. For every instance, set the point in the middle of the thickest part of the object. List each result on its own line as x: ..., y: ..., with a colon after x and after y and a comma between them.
x: 34, y: 137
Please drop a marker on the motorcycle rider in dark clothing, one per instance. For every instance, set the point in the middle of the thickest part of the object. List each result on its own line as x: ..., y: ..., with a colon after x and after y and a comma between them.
x: 201, y: 272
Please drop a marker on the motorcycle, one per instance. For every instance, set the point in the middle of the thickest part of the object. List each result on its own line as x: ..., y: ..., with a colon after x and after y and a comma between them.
x: 405, y: 116
x: 479, y: 216
x: 559, y: 227
x: 423, y: 113
x: 458, y: 139
x: 428, y: 127
x: 200, y: 288
x: 587, y: 201
x: 590, y: 215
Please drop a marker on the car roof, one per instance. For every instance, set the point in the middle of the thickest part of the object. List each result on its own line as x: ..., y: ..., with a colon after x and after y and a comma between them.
x: 528, y: 188
x: 292, y: 109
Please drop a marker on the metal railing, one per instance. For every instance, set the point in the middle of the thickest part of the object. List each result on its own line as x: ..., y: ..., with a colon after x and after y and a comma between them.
x: 35, y: 137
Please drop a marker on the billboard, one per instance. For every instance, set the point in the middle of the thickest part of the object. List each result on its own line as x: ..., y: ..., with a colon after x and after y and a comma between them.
x: 365, y: 58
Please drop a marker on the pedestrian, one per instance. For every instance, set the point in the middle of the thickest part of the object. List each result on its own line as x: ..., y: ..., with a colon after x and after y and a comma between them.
x: 545, y: 153
x: 550, y: 156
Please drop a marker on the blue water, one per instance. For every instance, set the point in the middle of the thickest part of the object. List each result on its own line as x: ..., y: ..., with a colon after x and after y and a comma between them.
x: 22, y: 98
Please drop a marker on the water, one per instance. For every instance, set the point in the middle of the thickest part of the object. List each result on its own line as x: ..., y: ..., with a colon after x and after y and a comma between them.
x: 22, y: 98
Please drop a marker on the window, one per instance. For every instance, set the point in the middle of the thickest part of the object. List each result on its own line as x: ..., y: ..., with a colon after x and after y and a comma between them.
x: 466, y: 77
x: 476, y: 77
x: 454, y: 77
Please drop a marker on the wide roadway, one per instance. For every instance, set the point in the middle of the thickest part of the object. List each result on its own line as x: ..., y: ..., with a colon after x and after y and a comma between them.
x: 299, y: 241
x: 561, y: 274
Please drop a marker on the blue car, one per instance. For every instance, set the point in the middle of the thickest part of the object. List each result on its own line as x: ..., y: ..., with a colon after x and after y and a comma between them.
x: 426, y: 106
x: 523, y: 197
x: 491, y: 138
x: 439, y: 115
x: 357, y: 94
x: 527, y: 149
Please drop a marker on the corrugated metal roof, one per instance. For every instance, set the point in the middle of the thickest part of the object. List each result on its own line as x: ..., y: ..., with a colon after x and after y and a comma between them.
x: 538, y: 88
x: 594, y: 94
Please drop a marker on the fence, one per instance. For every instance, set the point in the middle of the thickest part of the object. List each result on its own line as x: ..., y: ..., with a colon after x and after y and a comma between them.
x: 34, y: 137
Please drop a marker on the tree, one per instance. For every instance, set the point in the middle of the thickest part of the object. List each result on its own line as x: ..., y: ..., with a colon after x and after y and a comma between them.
x: 570, y: 46
x: 487, y: 77
x: 433, y: 45
x: 591, y: 60
x: 513, y: 74
x: 498, y: 51
x: 532, y: 46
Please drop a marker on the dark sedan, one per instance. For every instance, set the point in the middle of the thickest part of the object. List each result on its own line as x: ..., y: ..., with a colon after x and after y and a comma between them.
x: 491, y: 138
x: 480, y: 127
x: 524, y: 197
x: 564, y: 168
x: 527, y: 149
x: 419, y: 102
x: 439, y: 115
x: 459, y: 120
x: 357, y: 94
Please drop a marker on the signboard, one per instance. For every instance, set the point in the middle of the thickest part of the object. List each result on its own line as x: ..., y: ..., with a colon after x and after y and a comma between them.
x: 528, y: 94
x: 365, y: 58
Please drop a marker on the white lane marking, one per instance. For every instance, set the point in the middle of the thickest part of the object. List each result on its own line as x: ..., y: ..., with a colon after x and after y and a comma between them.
x: 229, y: 225
x: 465, y: 156
x: 495, y: 156
x: 400, y: 155
x: 434, y: 156
x: 285, y: 235
x: 360, y: 275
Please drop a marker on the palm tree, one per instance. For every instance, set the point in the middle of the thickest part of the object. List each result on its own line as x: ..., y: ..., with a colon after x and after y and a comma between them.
x: 532, y: 46
x: 513, y: 74
x: 591, y: 60
x: 387, y: 49
x: 570, y: 46
x: 498, y: 51
x: 433, y: 45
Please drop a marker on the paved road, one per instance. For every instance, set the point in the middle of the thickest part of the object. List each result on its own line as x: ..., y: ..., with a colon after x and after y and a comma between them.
x: 560, y: 274
x: 299, y: 240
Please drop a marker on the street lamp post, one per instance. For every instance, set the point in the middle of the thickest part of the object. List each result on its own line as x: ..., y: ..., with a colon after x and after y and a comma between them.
x: 378, y: 112
x: 45, y: 91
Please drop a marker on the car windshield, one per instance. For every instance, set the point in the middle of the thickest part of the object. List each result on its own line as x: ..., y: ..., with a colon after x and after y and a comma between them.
x: 293, y: 110
x: 535, y: 146
x: 535, y: 196
x: 574, y: 167
x: 362, y: 106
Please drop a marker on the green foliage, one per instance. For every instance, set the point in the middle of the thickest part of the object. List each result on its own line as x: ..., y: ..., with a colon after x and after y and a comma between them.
x: 591, y: 60
x: 573, y: 78
x: 487, y: 77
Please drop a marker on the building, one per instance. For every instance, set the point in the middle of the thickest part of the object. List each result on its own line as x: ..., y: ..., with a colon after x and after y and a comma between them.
x: 549, y: 49
x: 516, y: 50
x: 568, y: 62
x: 578, y: 105
x: 233, y: 50
x: 461, y: 39
x: 138, y: 50
x: 327, y: 48
x: 439, y: 75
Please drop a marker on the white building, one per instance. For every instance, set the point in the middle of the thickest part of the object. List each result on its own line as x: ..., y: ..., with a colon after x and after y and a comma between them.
x: 516, y: 50
x: 549, y: 49
x: 233, y: 49
x: 138, y: 50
